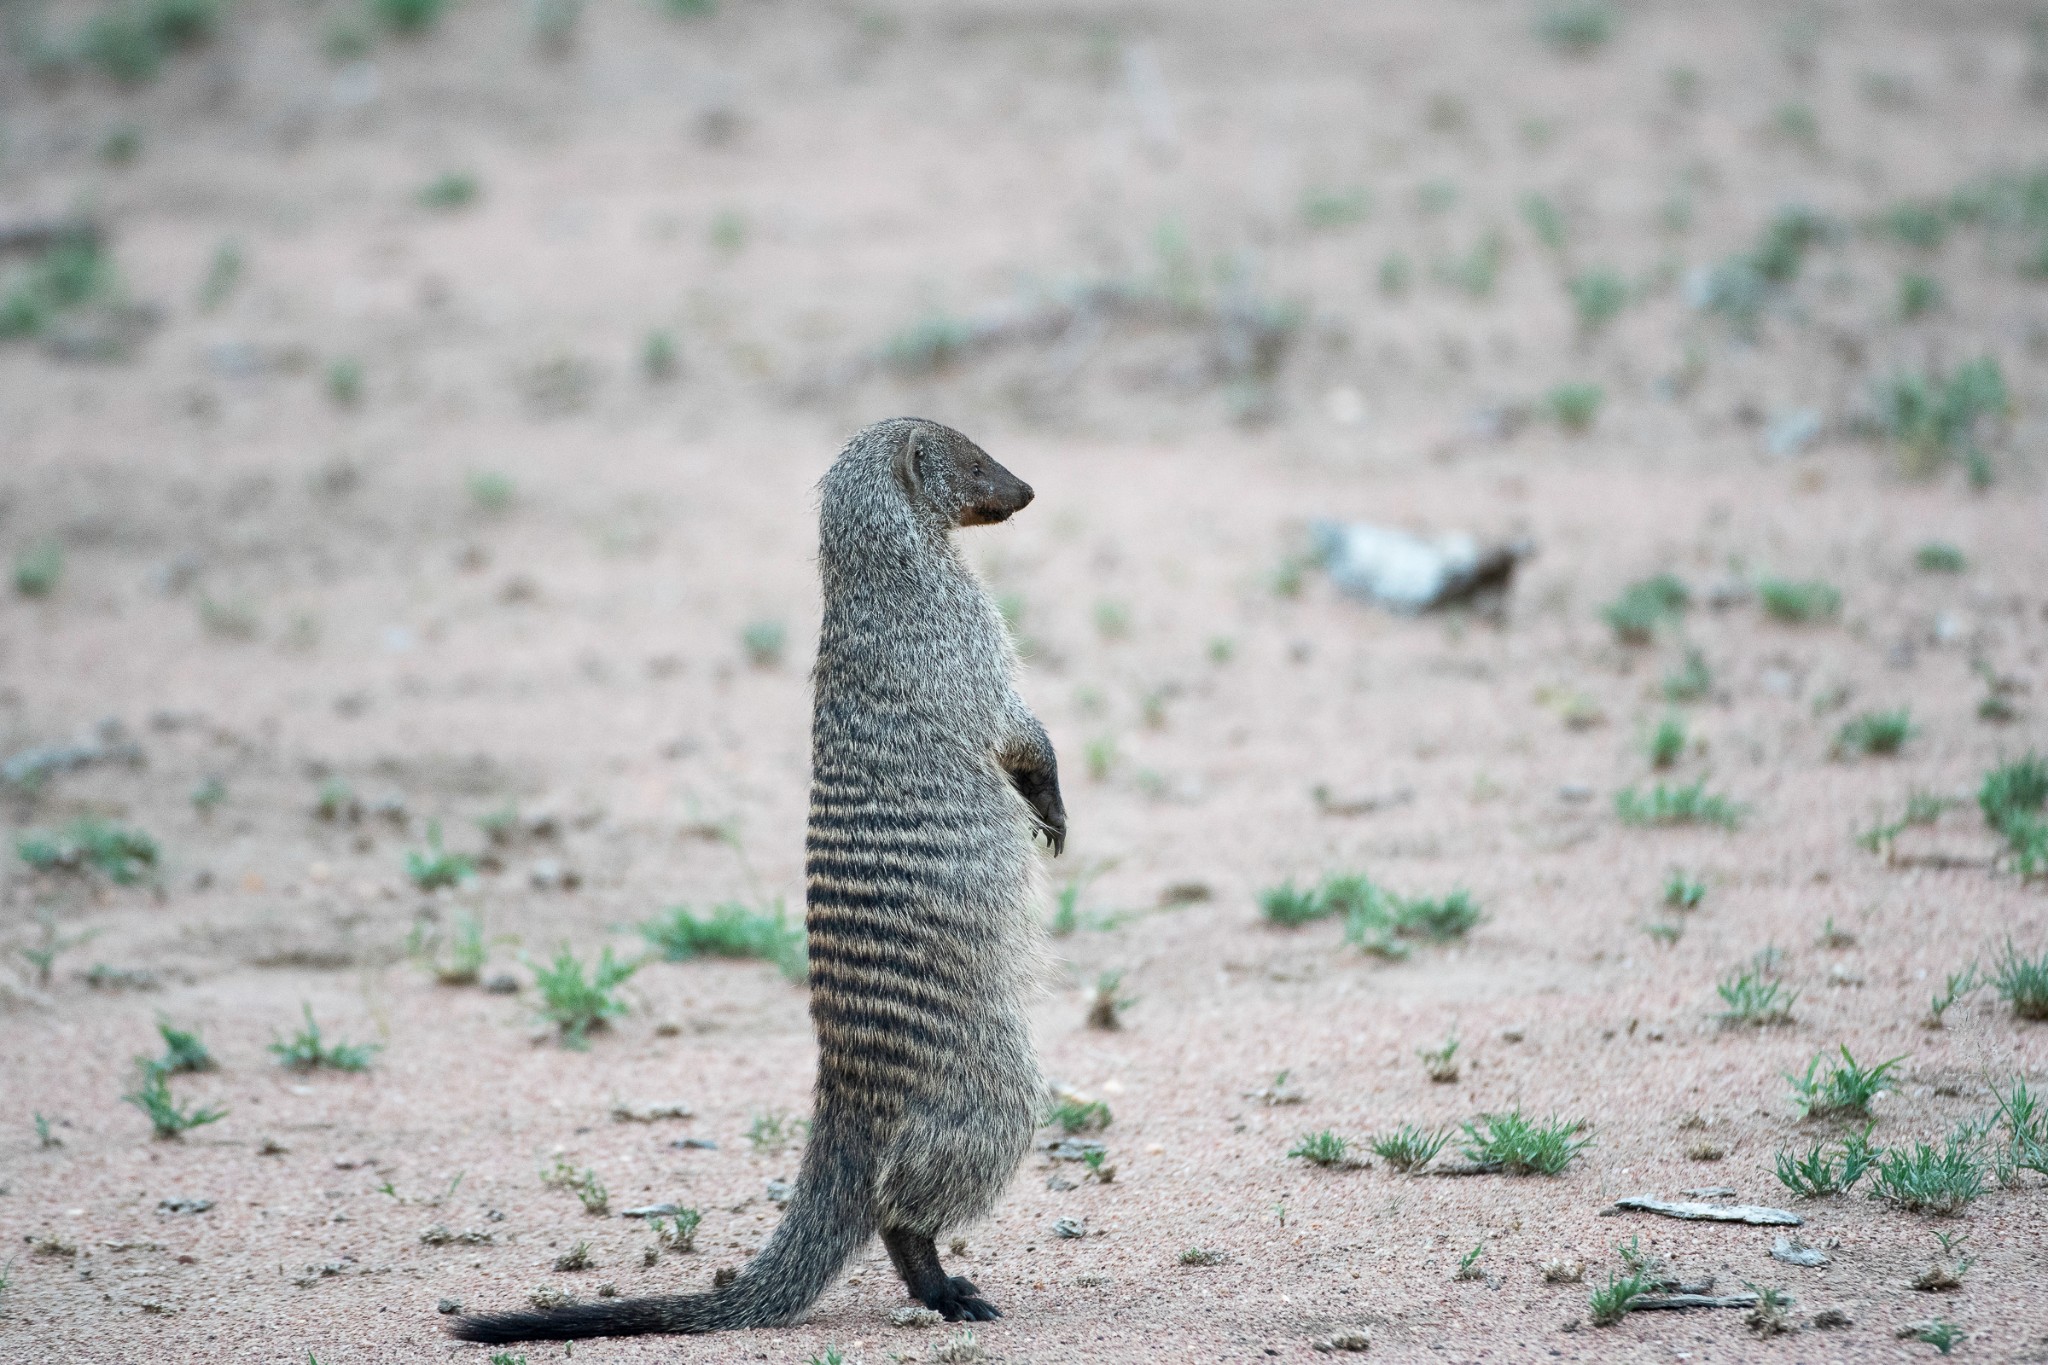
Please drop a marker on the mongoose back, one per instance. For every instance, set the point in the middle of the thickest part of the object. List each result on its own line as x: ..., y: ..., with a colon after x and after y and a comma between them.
x: 929, y: 778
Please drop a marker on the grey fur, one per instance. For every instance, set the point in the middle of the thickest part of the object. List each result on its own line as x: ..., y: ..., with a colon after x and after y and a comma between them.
x: 929, y: 777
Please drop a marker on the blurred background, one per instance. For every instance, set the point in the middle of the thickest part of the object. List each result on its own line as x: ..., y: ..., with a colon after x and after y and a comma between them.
x: 409, y: 411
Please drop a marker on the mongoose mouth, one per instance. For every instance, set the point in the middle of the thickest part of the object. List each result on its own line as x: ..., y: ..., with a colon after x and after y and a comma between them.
x: 1001, y: 507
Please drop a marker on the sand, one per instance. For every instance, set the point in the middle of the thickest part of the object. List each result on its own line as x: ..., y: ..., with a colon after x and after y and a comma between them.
x: 269, y: 588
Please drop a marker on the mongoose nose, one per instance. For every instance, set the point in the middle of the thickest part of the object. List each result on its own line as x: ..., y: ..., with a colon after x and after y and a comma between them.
x: 1024, y: 496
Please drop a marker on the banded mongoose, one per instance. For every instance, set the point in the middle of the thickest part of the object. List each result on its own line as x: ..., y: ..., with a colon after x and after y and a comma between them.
x: 929, y: 779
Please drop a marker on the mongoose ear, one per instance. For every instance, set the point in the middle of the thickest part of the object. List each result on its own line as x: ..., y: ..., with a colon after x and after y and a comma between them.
x: 907, y: 456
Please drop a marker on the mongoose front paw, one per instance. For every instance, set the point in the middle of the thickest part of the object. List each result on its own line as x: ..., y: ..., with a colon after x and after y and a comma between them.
x: 960, y: 1301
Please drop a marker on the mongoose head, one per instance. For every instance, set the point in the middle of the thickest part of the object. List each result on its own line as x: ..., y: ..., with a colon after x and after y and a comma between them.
x: 943, y: 472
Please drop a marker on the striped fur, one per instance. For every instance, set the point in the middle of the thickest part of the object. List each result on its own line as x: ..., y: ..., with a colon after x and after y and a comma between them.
x: 929, y: 778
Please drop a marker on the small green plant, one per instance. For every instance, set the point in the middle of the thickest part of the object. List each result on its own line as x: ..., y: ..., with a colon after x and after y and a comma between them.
x: 660, y: 360
x: 1514, y: 1144
x: 732, y: 930
x: 1924, y: 1178
x: 408, y: 16
x: 1798, y: 602
x: 771, y: 1132
x: 831, y: 1355
x: 491, y: 492
x: 70, y: 273
x: 39, y: 568
x: 183, y: 1051
x: 1409, y: 1148
x: 2022, y: 982
x: 2012, y: 798
x: 1691, y: 681
x: 1477, y: 271
x: 223, y: 274
x: 1958, y: 985
x: 1066, y: 915
x: 496, y: 1358
x: 449, y: 190
x: 1107, y: 1004
x: 1441, y: 1063
x: 466, y: 952
x: 1201, y: 1256
x: 575, y: 1258
x: 729, y: 231
x: 46, y: 1138
x: 764, y: 642
x: 437, y: 867
x: 345, y: 382
x: 1666, y: 744
x: 1073, y: 1115
x: 1610, y: 1303
x: 1875, y: 732
x: 584, y: 1184
x: 1934, y: 418
x: 1919, y: 295
x: 305, y: 1050
x: 1396, y: 275
x: 1112, y: 619
x: 121, y: 854
x: 1939, y: 1333
x: 1576, y: 27
x: 1574, y: 406
x: 2026, y: 1123
x: 1688, y: 805
x: 1820, y: 1172
x: 167, y: 1117
x: 1323, y: 1148
x: 1438, y: 919
x: 1938, y: 556
x: 1540, y: 212
x: 1598, y: 296
x: 1643, y: 607
x: 1754, y: 1001
x: 576, y: 1002
x: 1843, y: 1090
x: 43, y: 956
x: 1682, y: 892
x: 1325, y: 208
x: 207, y: 796
x: 1468, y: 1264
x: 677, y: 1232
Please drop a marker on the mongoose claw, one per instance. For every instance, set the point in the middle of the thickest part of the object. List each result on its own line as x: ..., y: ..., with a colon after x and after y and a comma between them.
x: 960, y: 1301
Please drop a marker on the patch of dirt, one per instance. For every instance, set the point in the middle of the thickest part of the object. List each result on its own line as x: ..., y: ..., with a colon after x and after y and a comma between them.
x: 409, y: 501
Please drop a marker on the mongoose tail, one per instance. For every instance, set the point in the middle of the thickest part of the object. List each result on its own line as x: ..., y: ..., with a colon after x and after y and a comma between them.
x: 828, y: 1220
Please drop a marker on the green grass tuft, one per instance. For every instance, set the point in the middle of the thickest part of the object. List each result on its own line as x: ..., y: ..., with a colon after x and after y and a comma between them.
x: 1073, y: 1115
x: 1687, y: 805
x: 1938, y: 556
x: 2022, y: 982
x: 2012, y: 797
x: 1799, y: 602
x: 1512, y: 1143
x: 39, y: 568
x: 576, y: 1003
x: 449, y: 190
x: 1843, y: 1090
x: 436, y: 868
x: 1575, y: 406
x: 1666, y: 744
x: 1611, y: 1302
x: 121, y: 854
x: 1934, y: 418
x: 1682, y: 892
x: 1941, y: 1180
x: 305, y: 1051
x: 1322, y: 1149
x: 1643, y: 607
x: 1409, y: 1148
x: 1821, y: 1172
x: 167, y: 1117
x: 1875, y: 732
x: 1576, y: 27
x: 731, y: 930
x: 183, y: 1051
x: 1691, y: 681
x: 1754, y: 1001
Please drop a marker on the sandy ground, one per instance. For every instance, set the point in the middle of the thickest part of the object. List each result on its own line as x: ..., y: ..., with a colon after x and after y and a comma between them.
x: 274, y: 590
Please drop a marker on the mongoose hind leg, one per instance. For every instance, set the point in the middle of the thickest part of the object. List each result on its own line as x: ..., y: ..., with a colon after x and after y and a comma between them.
x: 916, y: 1258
